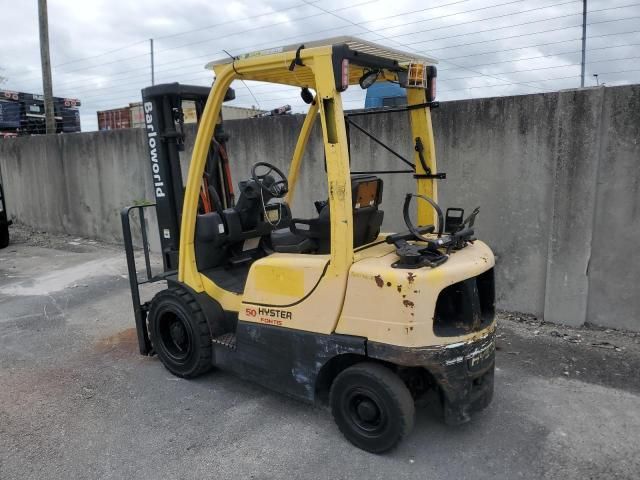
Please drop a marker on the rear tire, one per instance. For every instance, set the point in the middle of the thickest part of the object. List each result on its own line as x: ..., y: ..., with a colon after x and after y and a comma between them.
x: 372, y: 407
x: 179, y: 333
x: 4, y: 236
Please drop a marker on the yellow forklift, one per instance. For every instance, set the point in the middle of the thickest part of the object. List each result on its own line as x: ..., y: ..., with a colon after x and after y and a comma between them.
x: 325, y: 309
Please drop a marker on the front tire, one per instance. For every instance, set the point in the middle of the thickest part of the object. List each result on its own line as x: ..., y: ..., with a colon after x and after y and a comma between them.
x: 372, y: 407
x: 179, y: 333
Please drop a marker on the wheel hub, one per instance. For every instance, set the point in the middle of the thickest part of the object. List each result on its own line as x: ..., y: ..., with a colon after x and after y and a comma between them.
x: 368, y: 411
x: 178, y: 335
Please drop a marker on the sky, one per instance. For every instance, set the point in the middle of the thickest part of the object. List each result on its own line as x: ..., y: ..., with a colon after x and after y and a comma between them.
x: 100, y: 48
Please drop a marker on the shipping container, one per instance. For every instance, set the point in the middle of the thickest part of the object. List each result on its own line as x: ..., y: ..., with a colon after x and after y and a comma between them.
x: 125, y: 117
x: 114, y: 119
x: 137, y: 115
x: 133, y: 115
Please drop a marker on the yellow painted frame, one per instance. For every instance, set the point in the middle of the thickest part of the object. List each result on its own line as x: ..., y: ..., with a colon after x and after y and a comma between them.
x: 318, y: 62
x: 298, y: 153
x: 421, y: 126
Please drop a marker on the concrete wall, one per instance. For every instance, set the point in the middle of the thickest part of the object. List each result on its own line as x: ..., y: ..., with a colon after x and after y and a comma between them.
x: 556, y: 176
x: 75, y: 183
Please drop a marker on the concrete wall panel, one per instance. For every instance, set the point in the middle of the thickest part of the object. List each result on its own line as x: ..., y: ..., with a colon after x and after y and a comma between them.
x: 614, y: 266
x: 498, y: 154
x: 574, y: 194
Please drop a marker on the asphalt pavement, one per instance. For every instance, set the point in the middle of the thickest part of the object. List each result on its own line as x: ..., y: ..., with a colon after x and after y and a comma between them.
x: 78, y: 401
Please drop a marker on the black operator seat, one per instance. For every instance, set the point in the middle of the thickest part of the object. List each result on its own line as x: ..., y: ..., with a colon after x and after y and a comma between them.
x: 314, y: 235
x: 221, y: 237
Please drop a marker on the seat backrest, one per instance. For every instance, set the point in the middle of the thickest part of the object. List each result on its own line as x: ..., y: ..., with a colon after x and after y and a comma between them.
x: 366, y: 193
x: 367, y: 218
x: 210, y: 239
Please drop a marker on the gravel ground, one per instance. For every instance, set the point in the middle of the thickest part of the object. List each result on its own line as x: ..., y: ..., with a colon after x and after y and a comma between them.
x: 77, y: 401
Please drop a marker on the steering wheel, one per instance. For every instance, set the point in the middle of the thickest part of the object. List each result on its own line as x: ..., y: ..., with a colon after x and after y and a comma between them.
x: 417, y: 231
x: 280, y: 185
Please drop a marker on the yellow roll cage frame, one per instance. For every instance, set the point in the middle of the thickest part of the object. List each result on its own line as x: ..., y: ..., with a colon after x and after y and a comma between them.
x: 313, y: 67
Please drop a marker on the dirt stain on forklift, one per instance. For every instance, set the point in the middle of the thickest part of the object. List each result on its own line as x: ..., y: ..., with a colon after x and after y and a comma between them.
x: 299, y: 304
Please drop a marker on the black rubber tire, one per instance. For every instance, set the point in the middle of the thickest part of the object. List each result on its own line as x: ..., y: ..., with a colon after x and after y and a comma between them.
x: 378, y: 385
x: 4, y: 236
x: 175, y: 310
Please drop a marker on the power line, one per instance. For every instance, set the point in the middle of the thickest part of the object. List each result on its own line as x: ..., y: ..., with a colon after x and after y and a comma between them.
x: 528, y: 34
x: 219, y: 51
x: 543, y: 45
x: 551, y: 67
x: 260, y: 27
x: 543, y: 56
x: 253, y: 17
x: 312, y: 4
x: 541, y: 80
x: 350, y: 101
x: 269, y: 88
x: 388, y: 38
x: 302, y: 18
x: 514, y: 25
x: 479, y: 20
x: 210, y: 39
x: 508, y: 84
x: 358, y: 24
x: 124, y: 47
x: 126, y: 74
x: 463, y: 67
x: 203, y: 72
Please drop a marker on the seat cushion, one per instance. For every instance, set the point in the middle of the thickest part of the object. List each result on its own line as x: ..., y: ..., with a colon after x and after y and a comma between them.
x: 284, y: 240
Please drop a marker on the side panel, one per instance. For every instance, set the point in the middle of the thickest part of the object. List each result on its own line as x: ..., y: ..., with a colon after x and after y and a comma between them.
x: 282, y: 359
x: 292, y: 291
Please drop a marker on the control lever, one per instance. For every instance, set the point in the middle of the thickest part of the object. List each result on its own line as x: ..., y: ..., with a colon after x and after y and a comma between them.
x: 471, y: 219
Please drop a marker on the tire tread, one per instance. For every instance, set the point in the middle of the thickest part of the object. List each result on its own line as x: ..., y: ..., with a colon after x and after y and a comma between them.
x: 394, y: 388
x: 203, y: 363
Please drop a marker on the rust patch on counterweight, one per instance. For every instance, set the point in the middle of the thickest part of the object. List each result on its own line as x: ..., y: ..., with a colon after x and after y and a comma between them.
x: 408, y: 303
x: 379, y: 281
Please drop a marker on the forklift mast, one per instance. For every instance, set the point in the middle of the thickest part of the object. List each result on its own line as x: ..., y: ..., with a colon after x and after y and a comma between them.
x: 164, y: 112
x: 165, y: 109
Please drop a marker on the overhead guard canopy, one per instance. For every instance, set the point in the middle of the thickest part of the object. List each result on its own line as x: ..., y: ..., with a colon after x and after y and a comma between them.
x: 362, y: 55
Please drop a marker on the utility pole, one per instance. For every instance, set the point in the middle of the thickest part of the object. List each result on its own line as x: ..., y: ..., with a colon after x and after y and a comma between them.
x: 584, y: 41
x: 45, y: 60
x: 152, y: 68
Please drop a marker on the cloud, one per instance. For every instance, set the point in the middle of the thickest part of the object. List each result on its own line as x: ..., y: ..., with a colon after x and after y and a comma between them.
x: 100, y: 49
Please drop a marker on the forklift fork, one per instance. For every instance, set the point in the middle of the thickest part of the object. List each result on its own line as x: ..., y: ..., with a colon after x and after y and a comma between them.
x: 140, y: 310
